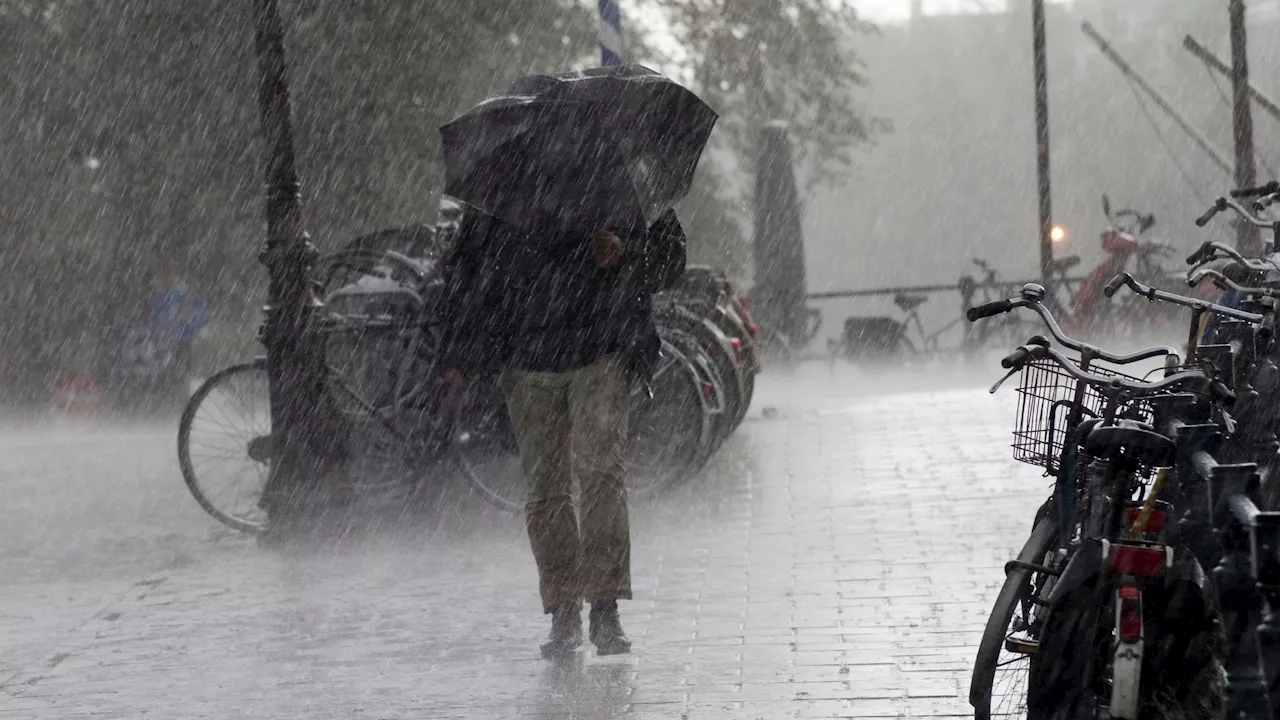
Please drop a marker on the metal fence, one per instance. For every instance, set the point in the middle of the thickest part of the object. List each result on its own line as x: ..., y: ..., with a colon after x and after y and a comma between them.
x: 928, y: 327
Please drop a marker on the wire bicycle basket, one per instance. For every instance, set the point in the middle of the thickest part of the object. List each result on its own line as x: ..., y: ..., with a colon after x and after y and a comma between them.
x: 1046, y: 394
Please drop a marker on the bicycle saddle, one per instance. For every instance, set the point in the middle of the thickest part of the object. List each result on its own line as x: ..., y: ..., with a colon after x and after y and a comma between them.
x: 1130, y: 440
x: 909, y: 302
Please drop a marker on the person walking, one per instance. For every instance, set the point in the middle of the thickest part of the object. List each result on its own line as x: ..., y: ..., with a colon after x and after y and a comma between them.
x: 564, y: 321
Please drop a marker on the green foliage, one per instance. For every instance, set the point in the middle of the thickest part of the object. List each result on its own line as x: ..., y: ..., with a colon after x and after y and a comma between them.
x: 794, y: 60
x: 132, y: 135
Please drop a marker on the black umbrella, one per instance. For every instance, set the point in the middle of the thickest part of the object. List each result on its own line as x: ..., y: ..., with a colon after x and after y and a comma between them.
x: 606, y: 147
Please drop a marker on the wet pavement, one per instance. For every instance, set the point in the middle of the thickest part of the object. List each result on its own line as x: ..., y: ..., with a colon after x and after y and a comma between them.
x: 836, y: 561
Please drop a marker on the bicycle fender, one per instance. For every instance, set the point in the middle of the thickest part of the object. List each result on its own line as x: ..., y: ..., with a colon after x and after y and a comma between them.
x: 1186, y: 569
x: 1084, y: 566
x: 1184, y: 574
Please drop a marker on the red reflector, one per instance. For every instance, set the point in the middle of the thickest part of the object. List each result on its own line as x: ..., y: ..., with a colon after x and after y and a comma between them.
x: 1155, y: 521
x: 1129, y: 624
x: 752, y: 328
x: 708, y: 389
x: 737, y: 347
x: 1137, y: 561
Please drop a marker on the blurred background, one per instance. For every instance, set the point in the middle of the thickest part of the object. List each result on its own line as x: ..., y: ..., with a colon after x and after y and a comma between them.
x: 132, y: 150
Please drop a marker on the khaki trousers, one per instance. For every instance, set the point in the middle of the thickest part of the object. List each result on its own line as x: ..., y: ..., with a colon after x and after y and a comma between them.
x: 571, y: 427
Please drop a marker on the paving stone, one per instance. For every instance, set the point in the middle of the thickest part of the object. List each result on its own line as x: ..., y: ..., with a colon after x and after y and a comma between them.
x: 837, y: 562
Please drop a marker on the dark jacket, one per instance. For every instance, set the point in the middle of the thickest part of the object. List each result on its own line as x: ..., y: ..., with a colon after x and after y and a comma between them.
x: 537, y: 301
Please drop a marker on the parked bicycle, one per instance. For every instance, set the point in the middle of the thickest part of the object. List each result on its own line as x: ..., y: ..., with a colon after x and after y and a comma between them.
x: 406, y: 426
x: 1127, y: 249
x: 1224, y: 443
x: 1104, y: 613
x: 882, y: 339
x: 1224, y: 526
x: 1009, y: 329
x: 1248, y: 351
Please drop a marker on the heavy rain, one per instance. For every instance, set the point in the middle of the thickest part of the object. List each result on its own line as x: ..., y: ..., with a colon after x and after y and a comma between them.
x: 680, y: 359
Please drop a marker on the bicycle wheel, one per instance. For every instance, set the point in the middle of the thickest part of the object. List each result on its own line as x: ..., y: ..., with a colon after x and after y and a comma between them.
x: 998, y: 688
x: 671, y: 431
x: 719, y: 350
x: 714, y: 343
x: 669, y: 436
x: 1182, y: 673
x: 227, y: 425
x: 716, y: 390
x: 483, y: 445
x: 225, y: 439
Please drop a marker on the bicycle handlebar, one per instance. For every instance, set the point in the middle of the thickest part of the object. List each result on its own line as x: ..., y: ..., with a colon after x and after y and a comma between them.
x: 1125, y: 279
x: 1131, y: 388
x: 995, y: 307
x: 1115, y: 284
x: 1267, y: 188
x: 1222, y: 204
x: 1017, y: 358
x: 1217, y: 207
x: 989, y: 273
x: 1225, y: 283
x: 1032, y: 296
x: 1210, y: 249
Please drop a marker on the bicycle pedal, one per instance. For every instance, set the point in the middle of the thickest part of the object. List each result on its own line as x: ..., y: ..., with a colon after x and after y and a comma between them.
x: 1021, y: 646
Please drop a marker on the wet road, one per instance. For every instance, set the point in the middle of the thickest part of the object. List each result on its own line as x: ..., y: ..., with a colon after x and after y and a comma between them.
x: 837, y: 560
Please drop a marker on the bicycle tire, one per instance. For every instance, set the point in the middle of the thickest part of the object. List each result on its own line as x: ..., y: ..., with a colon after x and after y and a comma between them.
x: 1017, y: 583
x: 684, y: 443
x: 1183, y: 673
x: 724, y: 357
x: 715, y: 346
x: 488, y: 421
x: 749, y: 363
x: 722, y: 421
x: 383, y: 447
x: 510, y: 495
x: 186, y: 464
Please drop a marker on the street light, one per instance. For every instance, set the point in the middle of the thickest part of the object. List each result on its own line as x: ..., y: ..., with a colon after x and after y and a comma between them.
x: 1057, y: 234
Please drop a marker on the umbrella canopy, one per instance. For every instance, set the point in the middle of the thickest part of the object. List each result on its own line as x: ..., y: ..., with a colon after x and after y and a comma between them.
x: 606, y: 147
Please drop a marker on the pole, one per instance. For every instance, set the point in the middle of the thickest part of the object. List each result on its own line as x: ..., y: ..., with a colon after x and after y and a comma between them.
x: 295, y: 358
x: 1042, y: 139
x: 1212, y: 61
x: 1247, y: 238
x: 610, y: 34
x: 1111, y: 54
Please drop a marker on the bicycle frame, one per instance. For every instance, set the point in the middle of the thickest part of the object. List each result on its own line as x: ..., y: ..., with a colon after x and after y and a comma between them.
x: 1109, y: 543
x: 928, y: 340
x: 1220, y: 496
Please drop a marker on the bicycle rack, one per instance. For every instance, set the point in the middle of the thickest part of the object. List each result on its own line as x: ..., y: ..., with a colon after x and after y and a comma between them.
x: 1247, y: 579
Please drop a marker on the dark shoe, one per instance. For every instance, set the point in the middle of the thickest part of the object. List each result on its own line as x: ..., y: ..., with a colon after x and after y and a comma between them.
x: 606, y: 629
x: 566, y: 631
